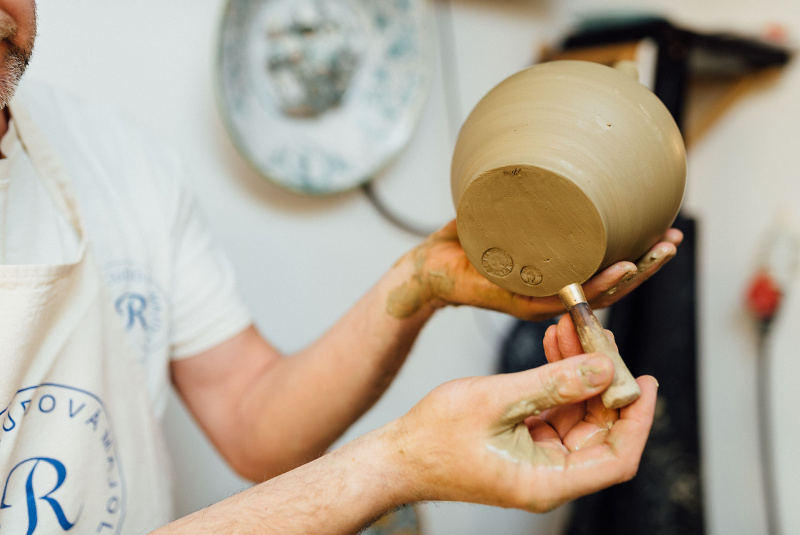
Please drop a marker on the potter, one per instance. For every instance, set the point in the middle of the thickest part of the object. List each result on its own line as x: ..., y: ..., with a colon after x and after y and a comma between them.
x: 562, y: 170
x: 66, y: 345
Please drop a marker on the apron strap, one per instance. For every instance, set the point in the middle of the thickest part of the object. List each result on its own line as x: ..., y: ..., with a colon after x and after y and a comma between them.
x: 48, y: 166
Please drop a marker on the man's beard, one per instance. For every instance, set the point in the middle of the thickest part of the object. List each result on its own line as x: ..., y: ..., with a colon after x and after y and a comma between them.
x: 15, y: 62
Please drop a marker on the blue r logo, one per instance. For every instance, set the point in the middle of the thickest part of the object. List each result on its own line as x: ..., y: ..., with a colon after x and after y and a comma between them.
x: 134, y: 305
x: 33, y: 516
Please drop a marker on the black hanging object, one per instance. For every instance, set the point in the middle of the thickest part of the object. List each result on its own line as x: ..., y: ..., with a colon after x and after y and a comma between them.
x: 522, y: 349
x: 655, y: 330
x: 655, y: 326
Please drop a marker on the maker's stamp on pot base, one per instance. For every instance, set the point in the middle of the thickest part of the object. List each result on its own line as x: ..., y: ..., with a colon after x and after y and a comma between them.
x: 530, y: 275
x: 497, y: 262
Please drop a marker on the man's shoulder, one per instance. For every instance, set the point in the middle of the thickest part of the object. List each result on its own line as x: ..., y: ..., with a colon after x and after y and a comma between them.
x: 100, y: 145
x: 97, y: 132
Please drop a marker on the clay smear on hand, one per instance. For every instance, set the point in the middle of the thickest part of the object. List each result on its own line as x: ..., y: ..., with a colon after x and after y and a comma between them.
x: 514, y: 442
x: 405, y: 300
x: 515, y: 445
x: 654, y: 257
x: 643, y: 268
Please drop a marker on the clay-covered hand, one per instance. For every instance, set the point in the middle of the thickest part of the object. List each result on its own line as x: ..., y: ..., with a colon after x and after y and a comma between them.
x: 438, y: 273
x: 530, y: 440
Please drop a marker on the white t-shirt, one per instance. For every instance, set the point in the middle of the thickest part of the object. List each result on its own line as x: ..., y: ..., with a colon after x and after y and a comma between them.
x: 171, y: 287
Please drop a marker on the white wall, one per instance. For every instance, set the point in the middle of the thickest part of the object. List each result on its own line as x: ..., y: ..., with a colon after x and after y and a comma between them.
x: 153, y: 59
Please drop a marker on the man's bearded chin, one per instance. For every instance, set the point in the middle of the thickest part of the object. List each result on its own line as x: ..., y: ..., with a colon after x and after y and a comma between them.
x: 14, y: 64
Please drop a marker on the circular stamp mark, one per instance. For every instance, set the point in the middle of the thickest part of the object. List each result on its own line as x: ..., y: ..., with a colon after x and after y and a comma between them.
x: 497, y: 262
x: 530, y: 275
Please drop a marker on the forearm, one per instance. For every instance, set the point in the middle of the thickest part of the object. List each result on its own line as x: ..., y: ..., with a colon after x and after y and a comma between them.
x: 338, y: 493
x: 299, y: 407
x: 502, y: 440
x: 268, y: 414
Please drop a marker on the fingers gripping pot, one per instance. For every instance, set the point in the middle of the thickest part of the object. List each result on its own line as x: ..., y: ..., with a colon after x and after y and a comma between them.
x: 562, y: 170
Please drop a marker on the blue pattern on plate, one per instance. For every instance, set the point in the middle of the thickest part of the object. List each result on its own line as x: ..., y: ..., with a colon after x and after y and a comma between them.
x: 325, y: 111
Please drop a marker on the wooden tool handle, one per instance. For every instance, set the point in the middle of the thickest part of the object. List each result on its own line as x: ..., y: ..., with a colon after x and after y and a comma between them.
x: 623, y: 389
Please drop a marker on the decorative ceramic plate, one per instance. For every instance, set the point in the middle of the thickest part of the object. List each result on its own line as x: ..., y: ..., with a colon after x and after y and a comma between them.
x: 319, y: 95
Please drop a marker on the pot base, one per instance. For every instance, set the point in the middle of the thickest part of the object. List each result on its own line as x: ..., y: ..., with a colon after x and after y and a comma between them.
x: 530, y: 230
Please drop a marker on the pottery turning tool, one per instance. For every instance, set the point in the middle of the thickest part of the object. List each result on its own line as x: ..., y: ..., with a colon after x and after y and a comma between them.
x: 624, y: 389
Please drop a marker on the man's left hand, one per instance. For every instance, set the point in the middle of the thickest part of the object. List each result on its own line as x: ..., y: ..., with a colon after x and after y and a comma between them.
x: 439, y: 274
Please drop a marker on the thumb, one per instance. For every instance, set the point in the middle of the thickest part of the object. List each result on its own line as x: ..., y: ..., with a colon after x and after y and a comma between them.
x: 567, y: 381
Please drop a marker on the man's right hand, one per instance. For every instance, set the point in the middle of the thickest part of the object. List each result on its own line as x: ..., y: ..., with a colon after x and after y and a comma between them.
x: 530, y: 440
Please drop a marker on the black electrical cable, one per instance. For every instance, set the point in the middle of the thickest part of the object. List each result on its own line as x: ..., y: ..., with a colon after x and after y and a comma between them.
x: 449, y: 65
x: 765, y: 430
x: 390, y: 216
x: 446, y: 35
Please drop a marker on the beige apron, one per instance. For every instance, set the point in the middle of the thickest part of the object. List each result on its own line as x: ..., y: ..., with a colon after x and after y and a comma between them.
x: 80, y: 449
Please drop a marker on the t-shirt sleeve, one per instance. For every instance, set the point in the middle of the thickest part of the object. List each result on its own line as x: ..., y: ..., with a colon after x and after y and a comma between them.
x: 207, y: 308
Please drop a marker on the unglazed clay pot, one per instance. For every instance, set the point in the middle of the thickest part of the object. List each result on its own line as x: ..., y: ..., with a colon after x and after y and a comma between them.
x: 562, y: 170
